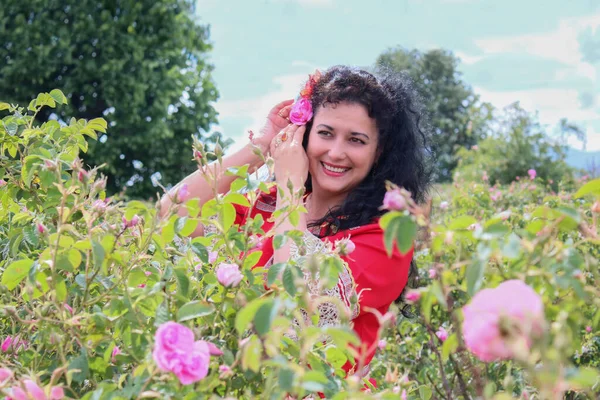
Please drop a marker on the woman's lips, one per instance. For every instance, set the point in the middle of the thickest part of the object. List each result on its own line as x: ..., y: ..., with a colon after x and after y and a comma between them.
x: 336, y: 173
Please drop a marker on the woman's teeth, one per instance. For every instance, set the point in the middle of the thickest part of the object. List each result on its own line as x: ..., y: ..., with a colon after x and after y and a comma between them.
x: 333, y: 169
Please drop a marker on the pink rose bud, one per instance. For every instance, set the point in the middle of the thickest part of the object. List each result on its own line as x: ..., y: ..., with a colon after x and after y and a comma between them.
x: 224, y: 368
x: 197, y: 154
x: 404, y: 395
x: 483, y: 316
x: 82, y: 175
x: 141, y: 285
x: 442, y: 334
x: 301, y: 112
x: 432, y: 273
x: 2, y: 182
x: 444, y: 205
x: 346, y: 246
x: 412, y: 296
x: 68, y: 308
x: 57, y: 393
x: 214, y: 350
x: 588, y: 329
x: 532, y: 174
x: 6, y: 344
x: 41, y: 228
x: 115, y: 352
x: 147, y: 273
x: 212, y: 256
x: 35, y: 392
x: 132, y: 222
x: 393, y: 200
x: 382, y: 343
x: 5, y: 374
x: 183, y: 193
x: 16, y: 393
x: 198, y: 267
x: 229, y: 275
x: 99, y: 205
x: 49, y: 165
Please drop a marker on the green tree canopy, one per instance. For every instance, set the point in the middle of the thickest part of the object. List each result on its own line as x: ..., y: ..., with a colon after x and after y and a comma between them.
x: 456, y: 115
x: 140, y: 64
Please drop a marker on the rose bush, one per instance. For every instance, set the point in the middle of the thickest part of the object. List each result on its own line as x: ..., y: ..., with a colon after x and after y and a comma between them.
x: 101, y: 299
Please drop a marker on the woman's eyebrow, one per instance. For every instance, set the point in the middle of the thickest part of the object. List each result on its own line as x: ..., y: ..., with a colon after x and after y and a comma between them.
x: 352, y: 133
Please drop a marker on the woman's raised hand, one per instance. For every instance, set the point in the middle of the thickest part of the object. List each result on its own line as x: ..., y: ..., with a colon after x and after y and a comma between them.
x: 277, y: 119
x: 290, y: 158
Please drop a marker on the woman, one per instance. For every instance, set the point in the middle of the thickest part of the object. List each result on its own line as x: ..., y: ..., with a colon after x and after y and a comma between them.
x: 360, y: 132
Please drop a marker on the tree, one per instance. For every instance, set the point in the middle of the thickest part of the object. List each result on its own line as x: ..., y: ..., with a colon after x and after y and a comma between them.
x: 518, y: 145
x: 140, y: 64
x: 456, y: 115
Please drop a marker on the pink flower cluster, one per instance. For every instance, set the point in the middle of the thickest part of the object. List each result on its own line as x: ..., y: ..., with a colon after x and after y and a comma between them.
x: 28, y: 389
x: 176, y: 351
x: 498, y: 322
x: 302, y: 110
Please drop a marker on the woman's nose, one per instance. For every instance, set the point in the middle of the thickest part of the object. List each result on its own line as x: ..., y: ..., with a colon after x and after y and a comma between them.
x: 337, y: 151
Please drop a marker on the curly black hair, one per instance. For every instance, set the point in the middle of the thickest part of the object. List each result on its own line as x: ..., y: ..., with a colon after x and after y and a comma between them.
x: 404, y: 155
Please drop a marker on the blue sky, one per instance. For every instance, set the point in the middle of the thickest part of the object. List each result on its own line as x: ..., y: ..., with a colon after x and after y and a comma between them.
x: 543, y: 53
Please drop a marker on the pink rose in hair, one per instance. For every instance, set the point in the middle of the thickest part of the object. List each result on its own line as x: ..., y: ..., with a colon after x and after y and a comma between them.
x: 229, y: 275
x: 512, y: 303
x: 393, y: 200
x: 301, y: 112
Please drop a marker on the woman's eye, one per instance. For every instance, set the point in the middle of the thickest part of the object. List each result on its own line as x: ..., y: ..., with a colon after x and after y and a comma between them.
x: 356, y: 140
x: 324, y: 133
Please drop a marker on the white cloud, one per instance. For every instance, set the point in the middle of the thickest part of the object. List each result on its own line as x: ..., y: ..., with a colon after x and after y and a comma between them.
x: 468, y: 59
x: 561, y: 45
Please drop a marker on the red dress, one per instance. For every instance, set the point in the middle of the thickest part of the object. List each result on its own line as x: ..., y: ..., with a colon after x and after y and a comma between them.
x: 379, y: 279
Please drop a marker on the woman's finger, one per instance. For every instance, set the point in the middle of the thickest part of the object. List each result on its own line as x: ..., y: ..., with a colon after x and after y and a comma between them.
x: 280, y: 106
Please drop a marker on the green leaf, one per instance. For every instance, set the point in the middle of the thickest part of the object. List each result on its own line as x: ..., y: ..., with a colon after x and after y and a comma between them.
x: 183, y: 282
x: 237, y: 198
x: 462, y: 222
x: 15, y: 273
x: 251, y: 259
x: 98, y: 254
x: 449, y: 346
x: 58, y: 96
x: 79, y: 367
x: 194, y: 309
x: 246, y: 314
x: 405, y: 234
x: 474, y: 276
x: 251, y: 354
x: 279, y: 241
x: 274, y: 272
x: 228, y: 215
x: 162, y: 314
x: 425, y: 393
x: 286, y: 379
x: 592, y: 187
x: 201, y: 251
x: 265, y: 315
x: 390, y: 235
x: 288, y: 282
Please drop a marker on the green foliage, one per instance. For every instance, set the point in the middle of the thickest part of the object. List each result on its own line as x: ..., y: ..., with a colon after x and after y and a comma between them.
x: 457, y: 117
x: 520, y: 144
x: 141, y: 65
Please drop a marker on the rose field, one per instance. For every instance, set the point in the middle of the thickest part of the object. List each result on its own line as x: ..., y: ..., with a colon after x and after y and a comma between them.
x: 102, y: 299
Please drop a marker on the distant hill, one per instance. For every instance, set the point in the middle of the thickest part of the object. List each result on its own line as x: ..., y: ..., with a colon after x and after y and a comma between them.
x: 583, y: 159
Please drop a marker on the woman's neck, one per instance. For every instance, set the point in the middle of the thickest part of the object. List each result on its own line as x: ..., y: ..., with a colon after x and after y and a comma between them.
x: 319, y: 204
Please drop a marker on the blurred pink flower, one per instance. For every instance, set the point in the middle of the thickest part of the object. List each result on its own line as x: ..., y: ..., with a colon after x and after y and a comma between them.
x: 404, y: 395
x: 5, y: 374
x: 394, y: 200
x: 147, y: 273
x: 301, y: 112
x: 141, y: 285
x: 224, y: 368
x: 57, y: 393
x: 132, y: 222
x: 229, y: 275
x: 115, y: 352
x: 68, y: 308
x: 444, y: 205
x: 483, y: 316
x: 99, y: 205
x: 6, y: 344
x: 16, y: 393
x: 588, y: 329
x: 183, y: 193
x: 34, y: 391
x: 381, y: 344
x: 2, y: 182
x: 442, y: 334
x: 175, y: 351
x: 212, y: 256
x: 346, y: 246
x: 484, y: 177
x: 475, y: 147
x: 82, y: 175
x: 532, y: 174
x: 214, y: 350
x: 412, y: 296
x: 41, y: 228
x: 432, y: 273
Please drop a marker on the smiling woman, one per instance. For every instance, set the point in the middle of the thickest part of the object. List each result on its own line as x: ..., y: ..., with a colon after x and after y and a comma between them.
x: 352, y: 132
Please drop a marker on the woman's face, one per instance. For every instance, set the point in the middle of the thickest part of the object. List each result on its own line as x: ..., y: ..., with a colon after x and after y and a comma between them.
x: 341, y: 149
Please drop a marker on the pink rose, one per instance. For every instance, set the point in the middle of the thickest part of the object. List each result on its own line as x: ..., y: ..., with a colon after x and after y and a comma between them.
x: 214, y: 350
x: 404, y: 395
x: 82, y: 175
x: 132, y: 222
x: 172, y: 336
x: 229, y: 275
x: 212, y: 256
x: 532, y: 174
x: 432, y: 273
x: 444, y: 205
x: 6, y: 344
x: 381, y: 344
x: 513, y: 302
x: 57, y: 393
x: 346, y: 246
x: 412, y: 296
x: 18, y: 394
x: 301, y: 112
x: 5, y: 374
x: 34, y: 391
x: 99, y: 205
x: 115, y: 352
x: 588, y: 329
x: 393, y: 200
x: 183, y: 193
x: 442, y: 334
x: 41, y: 228
x: 224, y: 368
